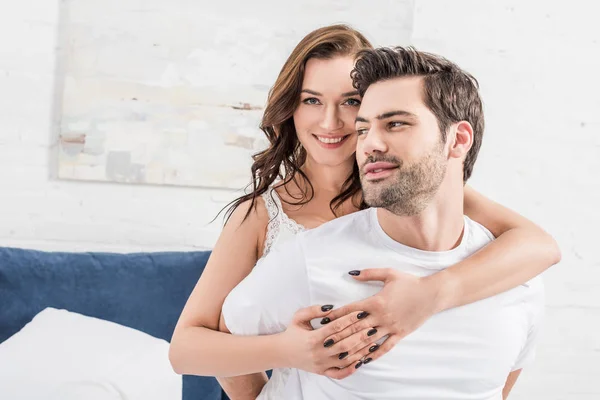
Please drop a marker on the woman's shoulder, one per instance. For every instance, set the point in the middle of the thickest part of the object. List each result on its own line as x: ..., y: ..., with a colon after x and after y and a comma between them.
x: 250, y: 213
x: 249, y: 219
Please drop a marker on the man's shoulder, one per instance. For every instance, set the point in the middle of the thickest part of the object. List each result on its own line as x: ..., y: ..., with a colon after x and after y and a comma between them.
x: 477, y: 230
x: 477, y: 236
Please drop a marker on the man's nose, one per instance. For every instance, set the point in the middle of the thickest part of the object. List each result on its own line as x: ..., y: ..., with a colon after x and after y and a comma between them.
x: 374, y: 142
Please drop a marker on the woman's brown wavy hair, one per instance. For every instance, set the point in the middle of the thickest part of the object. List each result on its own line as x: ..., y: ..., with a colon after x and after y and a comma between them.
x: 285, y: 156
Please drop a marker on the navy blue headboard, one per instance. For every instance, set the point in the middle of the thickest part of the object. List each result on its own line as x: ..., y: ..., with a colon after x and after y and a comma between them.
x: 145, y: 291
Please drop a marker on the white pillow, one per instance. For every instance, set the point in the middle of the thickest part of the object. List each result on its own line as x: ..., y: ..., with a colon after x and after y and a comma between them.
x: 69, y: 356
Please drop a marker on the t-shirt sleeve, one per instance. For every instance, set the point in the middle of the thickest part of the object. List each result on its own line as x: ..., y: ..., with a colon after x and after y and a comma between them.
x: 536, y: 308
x: 266, y: 300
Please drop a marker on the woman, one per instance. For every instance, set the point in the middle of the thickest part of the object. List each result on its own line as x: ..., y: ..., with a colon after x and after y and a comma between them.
x: 312, y: 101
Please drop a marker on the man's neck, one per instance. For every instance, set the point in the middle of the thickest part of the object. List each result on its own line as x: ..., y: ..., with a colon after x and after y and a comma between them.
x: 437, y: 228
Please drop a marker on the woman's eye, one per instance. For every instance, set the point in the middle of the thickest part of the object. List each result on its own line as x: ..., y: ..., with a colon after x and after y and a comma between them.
x: 311, y: 101
x: 352, y: 102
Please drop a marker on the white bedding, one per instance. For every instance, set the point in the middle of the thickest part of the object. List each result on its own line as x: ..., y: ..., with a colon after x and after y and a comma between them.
x: 69, y: 356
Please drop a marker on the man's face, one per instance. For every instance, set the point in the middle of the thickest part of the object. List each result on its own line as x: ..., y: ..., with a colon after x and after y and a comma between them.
x: 400, y: 152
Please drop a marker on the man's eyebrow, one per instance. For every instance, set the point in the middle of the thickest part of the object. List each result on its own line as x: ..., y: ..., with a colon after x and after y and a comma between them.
x: 395, y: 113
x: 387, y: 115
x: 352, y: 93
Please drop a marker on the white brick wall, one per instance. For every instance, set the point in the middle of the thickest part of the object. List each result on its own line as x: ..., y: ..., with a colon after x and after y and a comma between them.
x: 537, y: 62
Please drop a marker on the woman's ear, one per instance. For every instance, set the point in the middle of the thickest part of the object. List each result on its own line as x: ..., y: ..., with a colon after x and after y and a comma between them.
x: 462, y: 139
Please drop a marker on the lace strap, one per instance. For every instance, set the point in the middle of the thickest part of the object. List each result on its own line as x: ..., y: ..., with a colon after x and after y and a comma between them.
x: 271, y: 204
x: 291, y: 224
x: 277, y: 219
x: 274, y: 211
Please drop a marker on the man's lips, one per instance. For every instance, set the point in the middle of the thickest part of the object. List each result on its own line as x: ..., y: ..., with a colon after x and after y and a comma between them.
x: 378, y: 167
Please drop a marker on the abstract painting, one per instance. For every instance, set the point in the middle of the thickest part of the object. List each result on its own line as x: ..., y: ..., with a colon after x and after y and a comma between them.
x: 172, y: 92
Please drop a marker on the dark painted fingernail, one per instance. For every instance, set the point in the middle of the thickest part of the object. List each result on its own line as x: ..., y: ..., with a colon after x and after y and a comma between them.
x: 354, y: 273
x: 325, y: 320
x: 328, y: 343
x: 362, y: 315
x: 343, y: 355
x: 373, y: 348
x: 368, y: 360
x: 326, y: 307
x: 357, y: 366
x: 372, y: 332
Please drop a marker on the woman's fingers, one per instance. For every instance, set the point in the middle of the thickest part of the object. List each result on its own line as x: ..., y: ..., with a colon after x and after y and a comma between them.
x: 305, y: 315
x: 341, y: 328
x: 371, y: 353
x: 354, y: 337
x: 352, y: 308
x: 368, y: 338
x: 363, y: 357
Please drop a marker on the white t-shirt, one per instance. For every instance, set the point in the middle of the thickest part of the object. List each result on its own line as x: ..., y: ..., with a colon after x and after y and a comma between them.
x: 462, y: 353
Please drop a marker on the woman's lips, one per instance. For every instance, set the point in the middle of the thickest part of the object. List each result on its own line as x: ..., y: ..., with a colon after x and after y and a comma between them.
x: 331, y: 142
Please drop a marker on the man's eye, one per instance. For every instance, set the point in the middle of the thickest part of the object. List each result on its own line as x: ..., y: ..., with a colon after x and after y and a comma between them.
x: 396, y: 124
x: 362, y: 131
x: 353, y: 102
x: 311, y: 101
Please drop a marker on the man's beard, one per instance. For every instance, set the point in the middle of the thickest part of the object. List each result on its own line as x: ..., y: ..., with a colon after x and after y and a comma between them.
x: 411, y: 189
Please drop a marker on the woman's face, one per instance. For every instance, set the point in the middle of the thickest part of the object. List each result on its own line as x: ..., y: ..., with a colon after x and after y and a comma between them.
x: 324, y: 119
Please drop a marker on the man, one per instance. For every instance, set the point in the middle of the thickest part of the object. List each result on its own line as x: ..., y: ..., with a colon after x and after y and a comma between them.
x: 420, y: 127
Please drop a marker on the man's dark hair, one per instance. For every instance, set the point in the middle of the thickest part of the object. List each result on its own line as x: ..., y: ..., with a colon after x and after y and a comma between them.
x: 450, y: 93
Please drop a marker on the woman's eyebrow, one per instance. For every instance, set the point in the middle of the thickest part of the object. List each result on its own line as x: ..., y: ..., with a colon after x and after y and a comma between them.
x: 315, y: 93
x: 311, y: 92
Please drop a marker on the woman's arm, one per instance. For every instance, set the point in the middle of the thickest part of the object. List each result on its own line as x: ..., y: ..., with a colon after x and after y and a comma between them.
x: 197, y: 346
x: 521, y: 251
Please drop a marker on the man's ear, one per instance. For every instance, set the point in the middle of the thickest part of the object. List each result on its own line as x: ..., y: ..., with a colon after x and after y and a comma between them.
x: 461, y: 139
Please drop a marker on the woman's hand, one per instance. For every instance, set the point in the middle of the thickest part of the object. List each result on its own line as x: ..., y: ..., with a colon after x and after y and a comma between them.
x: 350, y: 335
x: 403, y: 305
x: 329, y: 348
